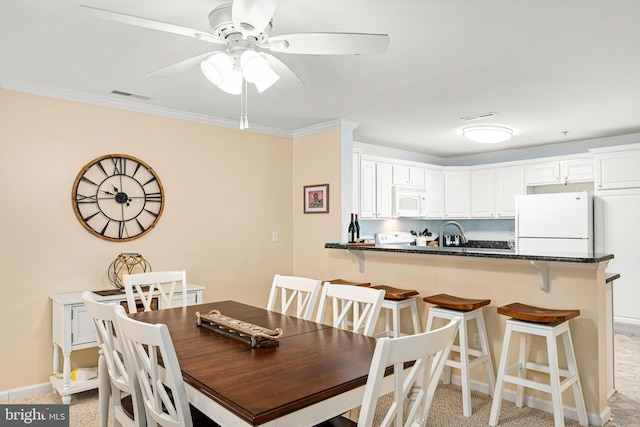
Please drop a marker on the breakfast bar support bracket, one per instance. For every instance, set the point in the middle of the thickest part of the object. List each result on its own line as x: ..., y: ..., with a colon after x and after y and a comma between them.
x: 543, y: 272
x: 359, y: 256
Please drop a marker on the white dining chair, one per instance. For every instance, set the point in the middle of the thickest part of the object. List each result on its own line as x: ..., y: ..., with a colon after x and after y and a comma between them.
x: 124, y: 389
x: 302, y: 291
x: 354, y: 308
x: 415, y: 385
x: 162, y: 284
x: 162, y: 388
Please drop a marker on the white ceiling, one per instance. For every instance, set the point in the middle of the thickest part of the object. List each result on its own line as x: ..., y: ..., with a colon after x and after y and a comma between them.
x: 547, y: 67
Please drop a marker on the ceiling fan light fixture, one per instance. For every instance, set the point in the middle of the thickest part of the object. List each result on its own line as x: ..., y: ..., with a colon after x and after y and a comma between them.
x: 232, y: 82
x: 267, y: 81
x: 487, y: 134
x: 254, y: 66
x: 216, y: 67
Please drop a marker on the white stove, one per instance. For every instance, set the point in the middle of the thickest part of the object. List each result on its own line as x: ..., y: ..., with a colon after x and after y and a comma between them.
x: 395, y: 238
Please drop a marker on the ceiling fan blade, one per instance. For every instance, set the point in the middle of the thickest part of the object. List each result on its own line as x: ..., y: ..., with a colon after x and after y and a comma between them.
x: 252, y: 16
x: 181, y: 66
x: 329, y: 43
x: 148, y: 23
x: 288, y: 79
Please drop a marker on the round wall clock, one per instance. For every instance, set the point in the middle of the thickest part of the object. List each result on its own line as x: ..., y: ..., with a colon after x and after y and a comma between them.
x: 118, y: 197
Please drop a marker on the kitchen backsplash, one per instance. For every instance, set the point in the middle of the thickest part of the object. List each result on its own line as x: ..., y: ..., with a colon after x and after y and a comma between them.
x: 474, y: 229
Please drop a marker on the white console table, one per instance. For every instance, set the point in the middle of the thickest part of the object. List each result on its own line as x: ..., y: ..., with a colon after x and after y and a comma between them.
x: 74, y: 330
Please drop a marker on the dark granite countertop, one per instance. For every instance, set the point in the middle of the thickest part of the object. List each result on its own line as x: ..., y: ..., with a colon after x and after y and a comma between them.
x: 482, y: 252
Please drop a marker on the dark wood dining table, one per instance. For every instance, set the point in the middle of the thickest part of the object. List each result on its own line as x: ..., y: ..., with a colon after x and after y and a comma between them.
x: 315, y: 373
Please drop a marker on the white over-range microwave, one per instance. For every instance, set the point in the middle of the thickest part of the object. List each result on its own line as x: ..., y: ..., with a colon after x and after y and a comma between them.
x: 409, y: 202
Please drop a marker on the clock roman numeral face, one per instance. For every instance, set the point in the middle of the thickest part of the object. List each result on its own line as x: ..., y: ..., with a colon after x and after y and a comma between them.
x: 118, y: 197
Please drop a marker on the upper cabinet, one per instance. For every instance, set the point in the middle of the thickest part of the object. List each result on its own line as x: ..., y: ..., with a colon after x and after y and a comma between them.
x: 618, y: 169
x: 543, y: 173
x: 408, y: 176
x: 565, y: 171
x: 457, y: 191
x: 375, y: 189
x: 509, y: 184
x: 483, y: 193
x: 494, y: 191
x: 579, y: 170
x: 487, y: 191
x: 434, y: 187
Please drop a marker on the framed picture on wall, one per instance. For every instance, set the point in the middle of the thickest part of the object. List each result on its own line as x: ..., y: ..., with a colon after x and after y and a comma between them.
x: 316, y: 198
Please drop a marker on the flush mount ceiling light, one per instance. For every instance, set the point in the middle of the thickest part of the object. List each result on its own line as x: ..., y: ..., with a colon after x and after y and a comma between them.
x: 487, y: 134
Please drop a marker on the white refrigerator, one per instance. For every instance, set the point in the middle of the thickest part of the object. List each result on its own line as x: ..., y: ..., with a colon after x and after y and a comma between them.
x: 554, y: 223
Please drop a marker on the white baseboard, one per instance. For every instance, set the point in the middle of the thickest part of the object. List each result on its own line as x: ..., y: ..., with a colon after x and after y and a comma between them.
x: 23, y: 392
x: 537, y: 403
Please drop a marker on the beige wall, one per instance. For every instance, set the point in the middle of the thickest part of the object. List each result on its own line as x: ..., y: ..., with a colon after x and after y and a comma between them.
x: 316, y: 160
x: 226, y: 191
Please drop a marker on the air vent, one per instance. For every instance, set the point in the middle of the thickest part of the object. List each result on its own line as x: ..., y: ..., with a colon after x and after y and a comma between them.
x: 130, y: 95
x: 479, y: 116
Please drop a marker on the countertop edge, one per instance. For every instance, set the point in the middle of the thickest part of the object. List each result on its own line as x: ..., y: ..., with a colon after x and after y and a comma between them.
x: 470, y: 252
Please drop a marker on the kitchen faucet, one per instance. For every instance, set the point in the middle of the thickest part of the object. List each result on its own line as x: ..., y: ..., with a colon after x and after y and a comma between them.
x: 463, y: 238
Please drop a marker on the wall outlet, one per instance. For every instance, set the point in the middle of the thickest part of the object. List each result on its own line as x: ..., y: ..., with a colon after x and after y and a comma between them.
x: 476, y: 340
x: 274, y: 236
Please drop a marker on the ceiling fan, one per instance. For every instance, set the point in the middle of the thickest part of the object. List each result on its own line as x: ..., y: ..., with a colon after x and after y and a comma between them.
x: 244, y: 27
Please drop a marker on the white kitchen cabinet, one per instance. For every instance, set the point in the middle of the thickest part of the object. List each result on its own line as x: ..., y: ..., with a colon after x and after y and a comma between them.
x: 618, y: 169
x: 543, y: 173
x: 618, y: 234
x: 578, y: 170
x: 509, y: 184
x: 408, y: 176
x: 434, y: 188
x: 72, y: 329
x: 375, y: 189
x: 367, y: 189
x: 384, y: 197
x: 483, y: 192
x: 457, y: 194
x: 563, y: 171
x: 355, y: 182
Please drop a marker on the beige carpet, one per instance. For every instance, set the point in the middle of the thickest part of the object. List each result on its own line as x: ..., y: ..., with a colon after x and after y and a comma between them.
x: 446, y: 410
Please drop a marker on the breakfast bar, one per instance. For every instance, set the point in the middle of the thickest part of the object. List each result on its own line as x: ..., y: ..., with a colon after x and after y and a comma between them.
x: 549, y: 280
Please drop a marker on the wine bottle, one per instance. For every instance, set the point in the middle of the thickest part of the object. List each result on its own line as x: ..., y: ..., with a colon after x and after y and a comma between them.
x: 357, y: 229
x: 352, y: 231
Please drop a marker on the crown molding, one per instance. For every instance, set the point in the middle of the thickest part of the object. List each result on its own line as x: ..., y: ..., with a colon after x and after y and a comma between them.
x: 325, y: 126
x: 137, y: 106
x: 382, y: 151
x: 547, y: 150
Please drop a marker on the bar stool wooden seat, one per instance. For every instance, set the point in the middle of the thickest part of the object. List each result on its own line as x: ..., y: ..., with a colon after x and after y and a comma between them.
x: 396, y: 299
x: 452, y: 307
x: 347, y: 282
x: 529, y: 320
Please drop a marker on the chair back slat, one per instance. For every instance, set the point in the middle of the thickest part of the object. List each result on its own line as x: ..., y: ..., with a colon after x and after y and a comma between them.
x: 161, y: 284
x: 112, y: 355
x: 163, y: 391
x: 417, y: 384
x: 300, y: 292
x: 354, y: 308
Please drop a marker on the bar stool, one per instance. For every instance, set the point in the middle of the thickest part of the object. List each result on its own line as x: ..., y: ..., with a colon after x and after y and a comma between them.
x: 395, y: 300
x: 347, y: 282
x: 529, y: 320
x: 451, y: 307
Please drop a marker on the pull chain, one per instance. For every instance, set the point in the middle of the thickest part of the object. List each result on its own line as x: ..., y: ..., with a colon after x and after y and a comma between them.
x: 244, y: 120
